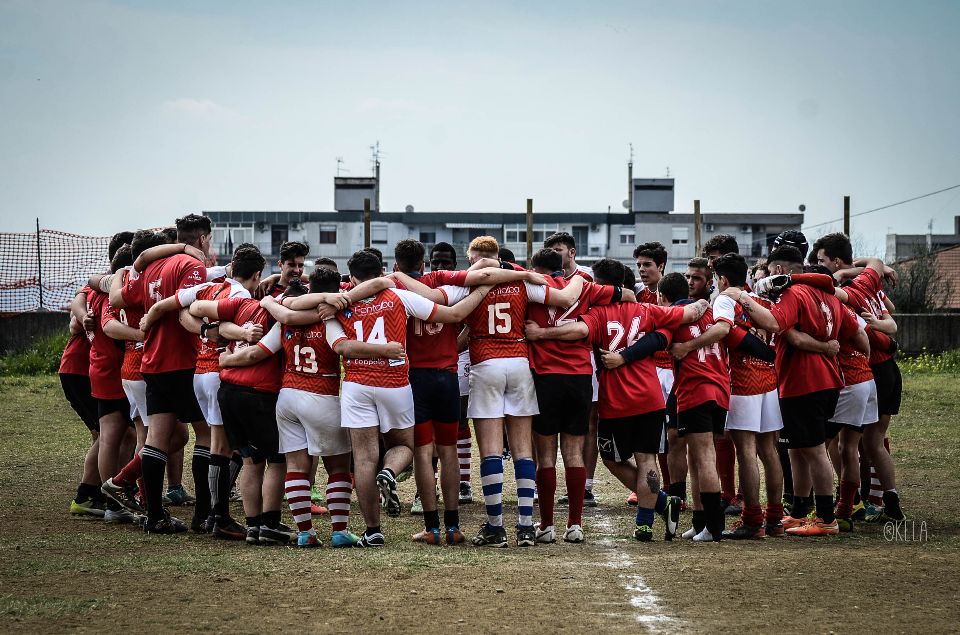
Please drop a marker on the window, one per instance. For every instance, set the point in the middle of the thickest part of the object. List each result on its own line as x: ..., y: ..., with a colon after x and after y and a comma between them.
x: 681, y: 235
x: 378, y: 233
x: 328, y: 235
x: 518, y: 233
x: 226, y: 239
x: 279, y: 234
x: 679, y: 267
x: 428, y: 238
x: 628, y: 236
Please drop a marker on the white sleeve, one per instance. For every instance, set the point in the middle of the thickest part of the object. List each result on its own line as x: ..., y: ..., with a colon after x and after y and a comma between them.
x: 216, y: 272
x: 861, y: 322
x: 335, y: 332
x: 272, y: 340
x: 416, y: 305
x: 186, y: 297
x: 237, y: 290
x: 536, y: 292
x: 454, y: 294
x: 723, y: 308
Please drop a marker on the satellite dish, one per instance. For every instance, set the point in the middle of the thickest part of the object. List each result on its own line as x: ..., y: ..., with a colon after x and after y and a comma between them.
x: 803, y: 207
x: 626, y: 203
x: 408, y: 209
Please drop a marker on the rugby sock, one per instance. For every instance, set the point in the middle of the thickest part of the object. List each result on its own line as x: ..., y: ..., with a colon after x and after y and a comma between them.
x: 726, y: 468
x: 86, y: 492
x: 824, y: 507
x: 200, y: 466
x: 588, y: 483
x: 644, y: 516
x: 547, y: 487
x: 661, y: 503
x: 875, y: 494
x: 271, y: 519
x: 525, y: 473
x: 801, y: 506
x: 752, y: 515
x: 218, y: 481
x: 664, y: 468
x: 848, y: 492
x: 491, y: 479
x: 130, y: 472
x: 154, y: 465
x: 774, y: 513
x: 576, y: 485
x: 339, y: 489
x: 297, y: 487
x: 372, y: 530
x: 451, y: 518
x: 712, y: 513
x: 431, y: 520
x: 463, y: 453
x: 699, y: 520
x: 678, y: 489
x: 254, y: 521
x: 784, y: 455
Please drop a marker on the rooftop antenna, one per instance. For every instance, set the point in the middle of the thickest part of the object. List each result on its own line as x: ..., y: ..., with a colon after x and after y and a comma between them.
x: 340, y: 167
x: 628, y: 204
x: 375, y: 159
x: 668, y: 171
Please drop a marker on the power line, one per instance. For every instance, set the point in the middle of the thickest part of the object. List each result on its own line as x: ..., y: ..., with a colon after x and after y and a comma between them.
x: 877, y: 209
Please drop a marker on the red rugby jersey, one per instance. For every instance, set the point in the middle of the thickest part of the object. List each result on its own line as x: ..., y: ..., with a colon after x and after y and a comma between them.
x: 167, y: 346
x: 434, y: 345
x: 566, y: 358
x: 854, y: 365
x: 76, y: 354
x: 496, y: 325
x: 865, y: 294
x: 310, y: 364
x: 704, y: 374
x: 208, y: 357
x: 661, y: 358
x: 748, y: 375
x: 822, y: 317
x: 133, y: 351
x: 378, y: 320
x: 265, y: 375
x: 106, y: 353
x: 631, y: 389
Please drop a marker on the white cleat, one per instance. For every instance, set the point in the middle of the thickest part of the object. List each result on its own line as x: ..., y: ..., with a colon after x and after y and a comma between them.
x: 703, y: 536
x: 689, y: 534
x: 574, y: 534
x: 546, y: 536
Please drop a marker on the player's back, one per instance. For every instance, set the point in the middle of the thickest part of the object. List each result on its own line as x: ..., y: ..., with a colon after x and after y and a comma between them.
x: 704, y: 374
x: 430, y: 344
x: 310, y: 363
x: 265, y: 375
x: 497, y: 324
x: 168, y: 346
x: 379, y: 319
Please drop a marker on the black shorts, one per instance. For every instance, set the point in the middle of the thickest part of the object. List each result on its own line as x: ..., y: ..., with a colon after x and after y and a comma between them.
x: 619, y: 439
x: 436, y: 395
x: 805, y: 418
x: 889, y: 387
x: 109, y: 406
x: 172, y: 392
x: 565, y: 402
x: 249, y: 420
x: 76, y: 388
x: 706, y: 417
x: 672, y: 410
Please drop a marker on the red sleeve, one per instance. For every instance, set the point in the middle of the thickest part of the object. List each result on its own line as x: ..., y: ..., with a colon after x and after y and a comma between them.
x: 735, y: 336
x: 593, y: 319
x: 109, y: 313
x: 848, y: 324
x: 786, y: 311
x: 879, y: 341
x: 816, y: 280
x: 868, y: 282
x: 227, y: 309
x: 666, y: 317
x: 667, y: 333
x: 191, y: 275
x: 400, y: 284
x: 456, y: 278
x: 599, y: 294
x: 132, y: 292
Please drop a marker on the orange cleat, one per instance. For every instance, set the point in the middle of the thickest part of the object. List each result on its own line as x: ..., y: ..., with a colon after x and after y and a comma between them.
x: 318, y: 510
x: 815, y: 528
x: 789, y: 522
x: 429, y: 536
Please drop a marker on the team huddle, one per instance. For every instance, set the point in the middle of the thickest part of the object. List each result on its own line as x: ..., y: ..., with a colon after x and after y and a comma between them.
x: 375, y: 375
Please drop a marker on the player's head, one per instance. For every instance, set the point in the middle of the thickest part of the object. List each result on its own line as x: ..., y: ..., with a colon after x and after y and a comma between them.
x: 295, y: 289
x: 121, y: 258
x: 629, y: 279
x: 651, y: 259
x: 324, y: 280
x: 327, y: 263
x: 170, y: 233
x: 243, y: 245
x: 292, y: 255
x: 719, y: 245
x: 376, y: 252
x: 144, y: 239
x: 793, y: 238
x: 731, y: 270
x: 785, y: 260
x: 698, y: 278
x: 364, y: 265
x: 118, y: 240
x: 482, y: 247
x: 834, y: 251
x: 565, y: 245
x: 673, y: 287
x: 443, y: 257
x: 408, y: 256
x: 547, y: 261
x: 194, y: 230
x: 759, y: 270
x: 247, y: 265
x: 609, y: 272
x: 506, y: 255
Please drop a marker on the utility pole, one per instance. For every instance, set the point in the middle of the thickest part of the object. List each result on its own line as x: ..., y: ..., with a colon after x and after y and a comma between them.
x: 630, y: 181
x: 375, y: 149
x: 846, y: 215
x: 696, y: 227
x: 529, y: 230
x: 366, y: 223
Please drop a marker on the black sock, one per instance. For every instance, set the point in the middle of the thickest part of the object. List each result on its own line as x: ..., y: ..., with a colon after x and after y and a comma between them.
x: 451, y: 518
x: 201, y: 481
x: 372, y: 530
x: 801, y: 507
x: 270, y: 519
x: 825, y: 508
x: 699, y: 520
x: 713, y: 513
x: 236, y: 462
x: 431, y: 519
x: 218, y: 483
x: 678, y: 489
x: 254, y: 521
x: 153, y: 465
x: 85, y: 492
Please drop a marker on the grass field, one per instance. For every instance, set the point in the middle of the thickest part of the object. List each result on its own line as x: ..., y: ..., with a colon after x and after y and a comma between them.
x: 62, y: 573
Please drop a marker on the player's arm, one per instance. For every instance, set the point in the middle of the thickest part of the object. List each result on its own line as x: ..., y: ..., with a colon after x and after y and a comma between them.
x: 459, y: 311
x: 78, y: 310
x: 564, y: 298
x: 286, y: 315
x: 234, y: 332
x: 627, y: 295
x: 886, y: 325
x: 570, y: 332
x: 714, y: 334
x: 761, y: 316
x: 755, y: 347
x: 463, y: 339
x: 484, y: 263
x: 641, y: 349
x: 246, y: 356
x: 412, y: 284
x: 801, y: 341
x: 861, y: 342
x: 496, y: 275
x: 101, y: 281
x: 116, y: 292
x: 352, y: 349
x: 339, y: 300
x: 694, y: 311
x: 165, y: 251
x: 119, y: 331
x: 75, y: 326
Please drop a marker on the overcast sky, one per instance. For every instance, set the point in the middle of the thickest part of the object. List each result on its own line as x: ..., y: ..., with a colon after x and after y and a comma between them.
x: 115, y: 115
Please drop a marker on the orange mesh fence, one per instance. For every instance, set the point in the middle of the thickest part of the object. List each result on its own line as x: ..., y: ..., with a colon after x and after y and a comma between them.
x: 43, y: 270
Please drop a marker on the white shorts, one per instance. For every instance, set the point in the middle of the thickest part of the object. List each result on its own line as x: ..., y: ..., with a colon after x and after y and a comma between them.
x: 463, y: 373
x: 502, y: 386
x: 136, y: 390
x: 311, y: 422
x: 665, y: 375
x: 755, y: 413
x: 594, y: 379
x: 206, y: 386
x: 369, y: 406
x: 857, y: 405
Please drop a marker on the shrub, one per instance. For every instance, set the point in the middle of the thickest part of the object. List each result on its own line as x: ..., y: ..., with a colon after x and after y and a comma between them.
x: 43, y: 357
x: 927, y: 363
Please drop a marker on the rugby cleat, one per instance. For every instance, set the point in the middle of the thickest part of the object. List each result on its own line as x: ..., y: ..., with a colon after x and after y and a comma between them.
x: 230, y: 530
x: 279, y: 535
x: 307, y: 540
x: 253, y: 536
x: 490, y: 536
x: 774, y: 529
x: 859, y: 511
x: 178, y: 497
x: 344, y: 538
x: 388, y: 492
x: 891, y: 506
x: 872, y: 513
x: 318, y: 510
x: 643, y: 533
x: 123, y: 496
x: 565, y: 499
x: 789, y: 522
x: 704, y: 536
x: 455, y: 536
x: 845, y: 524
x: 815, y: 528
x: 742, y: 531
x: 671, y: 517
x: 689, y: 534
x: 88, y: 507
x: 371, y: 541
x: 574, y: 534
x: 526, y: 536
x: 466, y: 493
x: 428, y: 536
x: 589, y: 499
x: 734, y: 507
x: 166, y: 525
x: 547, y: 535
x: 120, y: 516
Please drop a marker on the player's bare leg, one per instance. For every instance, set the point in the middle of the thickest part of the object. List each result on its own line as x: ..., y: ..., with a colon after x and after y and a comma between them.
x: 366, y: 455
x: 767, y: 450
x: 520, y: 435
x: 703, y: 464
x: 546, y: 445
x: 848, y: 455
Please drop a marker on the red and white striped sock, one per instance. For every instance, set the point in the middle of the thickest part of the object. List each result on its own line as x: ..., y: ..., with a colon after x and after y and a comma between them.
x: 463, y: 453
x: 298, y: 498
x: 339, y: 489
x: 876, y: 492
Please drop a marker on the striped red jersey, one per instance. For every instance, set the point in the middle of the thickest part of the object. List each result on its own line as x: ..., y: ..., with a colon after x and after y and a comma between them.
x: 865, y: 294
x: 704, y: 374
x: 432, y: 345
x: 76, y: 354
x: 748, y: 375
x: 497, y: 324
x: 208, y: 357
x: 106, y: 353
x: 310, y: 364
x: 133, y: 351
x: 854, y: 365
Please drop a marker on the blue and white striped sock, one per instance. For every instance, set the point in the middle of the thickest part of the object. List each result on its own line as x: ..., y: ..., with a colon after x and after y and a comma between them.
x: 491, y: 478
x: 525, y: 471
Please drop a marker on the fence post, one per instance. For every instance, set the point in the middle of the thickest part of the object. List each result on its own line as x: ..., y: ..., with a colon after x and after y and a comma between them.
x: 39, y: 266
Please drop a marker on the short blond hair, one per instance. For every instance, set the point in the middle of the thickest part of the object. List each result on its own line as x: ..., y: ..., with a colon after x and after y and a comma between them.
x: 484, y: 246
